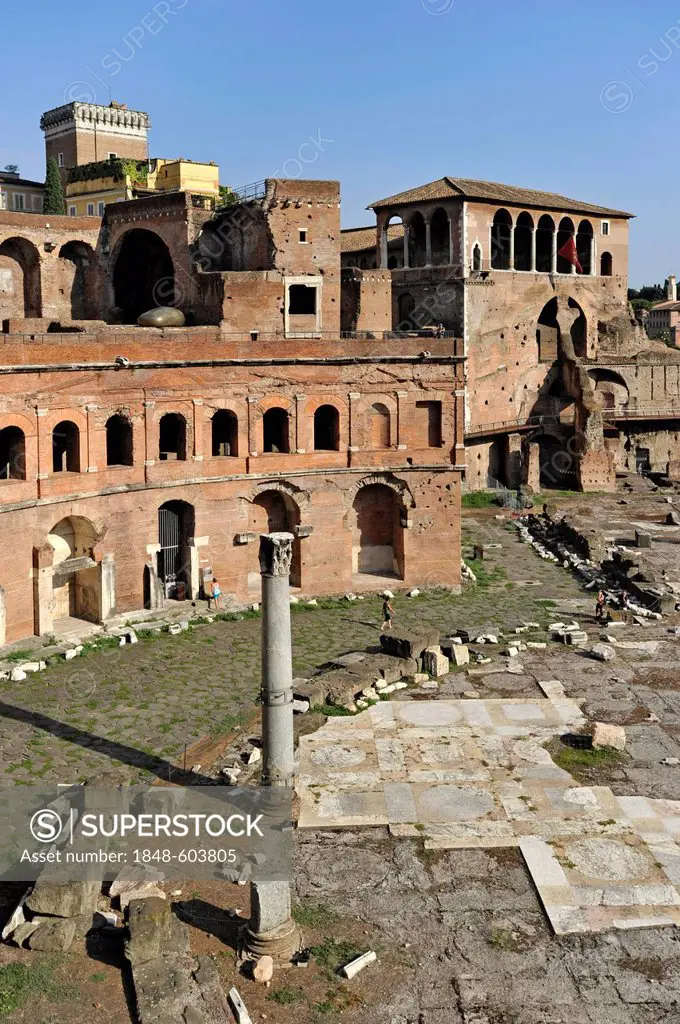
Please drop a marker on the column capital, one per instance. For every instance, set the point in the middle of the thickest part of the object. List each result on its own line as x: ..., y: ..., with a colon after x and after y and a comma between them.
x: 91, y: 407
x: 353, y: 395
x: 401, y: 394
x: 197, y: 401
x: 276, y: 553
x: 251, y: 399
x: 148, y: 404
x: 41, y: 412
x: 299, y: 396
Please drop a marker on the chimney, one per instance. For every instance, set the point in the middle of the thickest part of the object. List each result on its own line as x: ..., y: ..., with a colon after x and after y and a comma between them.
x: 672, y: 289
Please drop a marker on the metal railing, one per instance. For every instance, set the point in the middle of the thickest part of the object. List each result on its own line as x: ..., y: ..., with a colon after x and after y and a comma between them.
x: 500, y: 426
x: 644, y: 410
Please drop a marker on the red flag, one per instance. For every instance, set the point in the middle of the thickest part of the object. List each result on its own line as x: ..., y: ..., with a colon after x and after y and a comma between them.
x: 569, y: 253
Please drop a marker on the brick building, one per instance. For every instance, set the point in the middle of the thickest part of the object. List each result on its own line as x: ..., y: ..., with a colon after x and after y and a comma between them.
x: 536, y: 285
x: 135, y: 462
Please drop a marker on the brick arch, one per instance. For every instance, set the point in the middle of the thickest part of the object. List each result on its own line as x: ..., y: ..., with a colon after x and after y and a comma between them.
x: 213, y: 406
x: 400, y: 487
x: 21, y: 257
x: 302, y: 498
x: 263, y: 406
x: 363, y: 418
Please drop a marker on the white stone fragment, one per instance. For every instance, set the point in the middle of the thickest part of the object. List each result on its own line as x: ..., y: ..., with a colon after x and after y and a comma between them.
x: 351, y: 969
x: 255, y: 755
x: 606, y: 735
x: 17, y: 674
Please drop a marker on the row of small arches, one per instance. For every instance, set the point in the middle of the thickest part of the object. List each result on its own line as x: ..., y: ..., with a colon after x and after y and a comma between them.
x: 172, y: 438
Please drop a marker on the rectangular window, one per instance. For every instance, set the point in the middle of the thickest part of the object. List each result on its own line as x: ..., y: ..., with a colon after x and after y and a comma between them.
x: 60, y: 159
x: 100, y: 209
x: 303, y: 236
x: 72, y: 211
x: 112, y: 156
x: 302, y: 300
x: 90, y: 209
x: 18, y: 201
x: 429, y: 420
x: 605, y: 227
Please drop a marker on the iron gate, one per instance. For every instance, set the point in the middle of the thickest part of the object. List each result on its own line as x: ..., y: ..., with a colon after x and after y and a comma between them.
x: 170, y: 554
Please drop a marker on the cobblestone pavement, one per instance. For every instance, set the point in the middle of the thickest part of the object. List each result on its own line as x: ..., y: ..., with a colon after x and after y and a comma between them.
x: 138, y: 705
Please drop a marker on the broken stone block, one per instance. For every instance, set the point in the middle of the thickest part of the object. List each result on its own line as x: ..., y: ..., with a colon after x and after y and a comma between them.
x: 255, y: 755
x: 17, y: 675
x: 263, y: 971
x: 435, y: 663
x: 471, y: 694
x: 145, y: 891
x: 24, y: 931
x: 461, y: 654
x: 606, y: 735
x: 153, y: 930
x: 603, y: 652
x: 511, y: 652
x: 174, y: 629
x: 536, y: 646
x: 515, y: 669
x: 346, y: 660
x: 643, y: 540
x: 300, y: 707
x: 18, y: 917
x: 413, y: 593
x: 673, y: 519
x: 52, y: 935
x: 431, y: 685
x: 409, y: 644
x: 309, y: 689
x: 64, y: 899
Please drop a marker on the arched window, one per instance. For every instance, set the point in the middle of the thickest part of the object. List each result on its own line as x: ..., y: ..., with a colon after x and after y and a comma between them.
x: 12, y: 454
x: 118, y: 441
x: 545, y: 244
x: 584, y: 246
x: 275, y: 431
x: 606, y: 264
x: 79, y: 277
x: 143, y: 275
x: 326, y: 429
x: 440, y: 239
x: 66, y: 448
x: 524, y: 233
x: 416, y: 240
x: 564, y: 233
x: 172, y: 445
x: 379, y: 426
x: 224, y: 433
x: 501, y: 233
x: 476, y: 258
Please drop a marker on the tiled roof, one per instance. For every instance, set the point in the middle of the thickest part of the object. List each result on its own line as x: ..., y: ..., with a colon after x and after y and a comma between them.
x: 671, y: 304
x: 360, y: 239
x: 8, y: 179
x: 493, y: 192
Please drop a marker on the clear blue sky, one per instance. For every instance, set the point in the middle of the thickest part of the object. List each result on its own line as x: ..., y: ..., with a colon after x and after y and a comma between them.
x: 407, y: 90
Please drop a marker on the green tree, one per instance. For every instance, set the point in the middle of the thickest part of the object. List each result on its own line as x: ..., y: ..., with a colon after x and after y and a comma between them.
x: 53, y: 201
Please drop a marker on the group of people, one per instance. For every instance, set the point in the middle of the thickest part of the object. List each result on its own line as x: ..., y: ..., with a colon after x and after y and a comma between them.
x: 601, y: 604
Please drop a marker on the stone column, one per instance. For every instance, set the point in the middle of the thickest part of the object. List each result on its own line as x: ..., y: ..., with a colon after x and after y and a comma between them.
x: 383, y: 248
x: 271, y: 930
x: 44, y: 447
x: 107, y: 587
x: 592, y: 256
x: 43, y: 591
x: 553, y: 253
x: 406, y: 260
x: 511, y: 260
x: 428, y: 243
x: 276, y: 554
x: 533, y: 249
x: 194, y: 573
x: 3, y: 617
x: 451, y: 242
x: 354, y: 431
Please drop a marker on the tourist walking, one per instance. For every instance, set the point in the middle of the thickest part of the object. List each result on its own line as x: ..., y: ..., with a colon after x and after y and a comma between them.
x: 387, y: 614
x: 601, y: 607
x: 215, y: 593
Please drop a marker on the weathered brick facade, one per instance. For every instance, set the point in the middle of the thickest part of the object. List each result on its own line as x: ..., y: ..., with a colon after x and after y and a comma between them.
x: 257, y: 417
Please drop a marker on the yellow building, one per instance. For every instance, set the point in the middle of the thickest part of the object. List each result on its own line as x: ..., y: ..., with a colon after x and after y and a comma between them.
x: 91, y: 187
x: 19, y: 194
